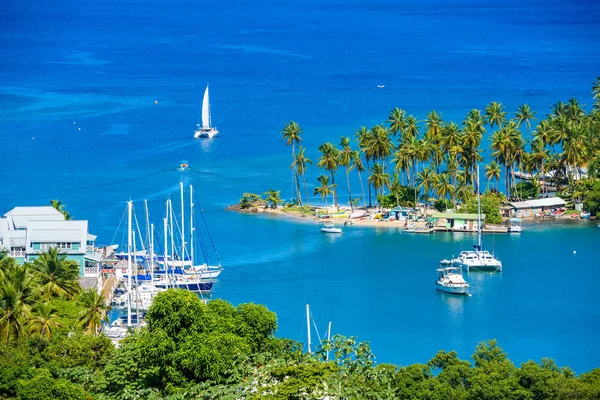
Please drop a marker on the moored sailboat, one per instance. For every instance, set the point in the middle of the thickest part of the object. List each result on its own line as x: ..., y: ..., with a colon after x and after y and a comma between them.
x: 478, y: 259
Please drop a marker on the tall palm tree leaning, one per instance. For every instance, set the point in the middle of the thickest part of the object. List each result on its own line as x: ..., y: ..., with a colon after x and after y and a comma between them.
x: 359, y: 167
x: 345, y: 160
x: 94, y: 310
x: 292, y: 134
x: 300, y: 164
x: 57, y: 275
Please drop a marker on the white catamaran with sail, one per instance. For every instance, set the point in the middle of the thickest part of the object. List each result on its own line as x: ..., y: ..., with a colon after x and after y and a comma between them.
x: 206, y: 130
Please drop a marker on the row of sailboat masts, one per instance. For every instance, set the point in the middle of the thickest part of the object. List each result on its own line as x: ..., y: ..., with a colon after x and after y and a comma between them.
x: 169, y: 237
x: 131, y: 252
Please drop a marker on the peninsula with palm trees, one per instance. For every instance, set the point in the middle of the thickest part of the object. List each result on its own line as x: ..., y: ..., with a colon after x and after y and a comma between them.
x: 431, y: 163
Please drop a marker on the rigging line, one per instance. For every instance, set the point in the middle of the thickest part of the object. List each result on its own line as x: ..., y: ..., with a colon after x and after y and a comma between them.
x: 202, y: 243
x: 118, y: 227
x: 139, y: 231
x: 315, y: 325
x: 116, y: 182
x: 209, y: 236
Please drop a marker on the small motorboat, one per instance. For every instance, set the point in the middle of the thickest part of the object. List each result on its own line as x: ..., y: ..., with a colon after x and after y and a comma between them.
x: 584, y: 215
x: 330, y: 228
x: 450, y: 280
x: 184, y: 165
x: 515, y: 225
x: 380, y: 86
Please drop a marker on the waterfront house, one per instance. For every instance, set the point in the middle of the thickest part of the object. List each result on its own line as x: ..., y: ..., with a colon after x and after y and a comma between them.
x: 457, y: 221
x: 403, y: 214
x: 528, y: 208
x: 27, y: 231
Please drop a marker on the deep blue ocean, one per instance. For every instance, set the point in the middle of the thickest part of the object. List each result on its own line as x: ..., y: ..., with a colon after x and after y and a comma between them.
x: 78, y: 122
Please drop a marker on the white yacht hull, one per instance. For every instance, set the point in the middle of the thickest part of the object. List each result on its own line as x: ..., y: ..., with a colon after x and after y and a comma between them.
x: 206, y: 133
x: 492, y: 267
x: 331, y: 230
x: 452, y: 289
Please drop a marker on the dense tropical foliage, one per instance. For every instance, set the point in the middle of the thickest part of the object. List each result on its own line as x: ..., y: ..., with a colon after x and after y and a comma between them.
x: 437, y: 159
x: 193, y: 350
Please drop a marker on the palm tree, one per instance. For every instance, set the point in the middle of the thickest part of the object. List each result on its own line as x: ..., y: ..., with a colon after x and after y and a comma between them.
x: 300, y: 164
x: 12, y: 313
x: 44, y: 320
x: 426, y: 179
x: 495, y: 114
x: 345, y: 160
x: 380, y: 180
x: 57, y: 275
x: 292, y: 134
x: 539, y: 155
x: 359, y: 167
x: 60, y: 207
x: 272, y: 198
x: 17, y: 295
x: 380, y: 145
x: 94, y: 310
x: 396, y: 120
x: 329, y: 161
x: 324, y: 190
x: 444, y: 187
x: 411, y: 130
x: 492, y: 171
x: 596, y: 91
x: 524, y: 114
x: 463, y: 193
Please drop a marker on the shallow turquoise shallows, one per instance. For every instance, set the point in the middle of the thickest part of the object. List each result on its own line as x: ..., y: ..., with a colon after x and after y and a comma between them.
x: 99, y: 102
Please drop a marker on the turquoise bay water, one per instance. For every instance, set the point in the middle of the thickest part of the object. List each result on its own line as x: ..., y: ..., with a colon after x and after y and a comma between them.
x: 78, y: 122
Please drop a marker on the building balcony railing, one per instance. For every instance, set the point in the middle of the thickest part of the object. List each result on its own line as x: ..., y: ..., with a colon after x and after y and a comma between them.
x: 89, y: 248
x: 17, y: 253
x: 90, y: 271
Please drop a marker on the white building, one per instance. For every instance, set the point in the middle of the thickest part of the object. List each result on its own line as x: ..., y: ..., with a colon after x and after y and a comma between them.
x: 27, y: 231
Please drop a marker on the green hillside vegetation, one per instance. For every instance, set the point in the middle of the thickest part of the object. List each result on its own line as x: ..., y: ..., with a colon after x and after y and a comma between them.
x: 51, y: 349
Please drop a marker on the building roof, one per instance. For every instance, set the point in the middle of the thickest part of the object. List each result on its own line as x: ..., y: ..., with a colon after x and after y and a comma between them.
x: 545, y: 202
x: 57, y: 231
x: 18, y: 216
x: 452, y: 215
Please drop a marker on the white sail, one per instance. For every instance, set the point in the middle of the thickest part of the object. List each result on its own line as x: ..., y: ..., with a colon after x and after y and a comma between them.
x: 206, y: 110
x: 206, y: 130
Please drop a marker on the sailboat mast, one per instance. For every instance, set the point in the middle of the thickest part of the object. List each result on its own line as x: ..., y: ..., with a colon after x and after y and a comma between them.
x: 182, y: 226
x: 152, y: 257
x: 170, y: 216
x: 308, y: 326
x: 328, y: 339
x: 137, y: 293
x: 166, y: 252
x: 129, y: 213
x: 191, y: 227
x: 478, y: 212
